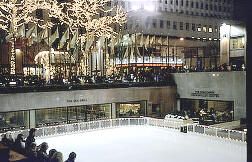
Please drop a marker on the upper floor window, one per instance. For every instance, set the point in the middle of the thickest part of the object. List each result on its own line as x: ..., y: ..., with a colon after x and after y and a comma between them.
x: 154, y: 23
x: 197, y: 4
x: 204, y: 29
x: 161, y: 24
x: 192, y: 4
x: 199, y: 28
x: 206, y: 7
x: 181, y: 25
x: 175, y: 25
x: 187, y: 26
x: 168, y: 24
x: 193, y: 27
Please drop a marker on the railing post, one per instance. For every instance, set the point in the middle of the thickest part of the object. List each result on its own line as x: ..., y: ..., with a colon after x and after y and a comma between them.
x: 128, y: 121
x: 229, y: 134
x: 43, y: 132
x: 243, y: 136
x: 216, y: 132
x: 204, y: 129
x: 78, y: 127
x: 99, y: 124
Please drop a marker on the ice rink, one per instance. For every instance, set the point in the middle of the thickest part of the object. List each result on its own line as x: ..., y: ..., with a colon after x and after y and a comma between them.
x: 146, y: 144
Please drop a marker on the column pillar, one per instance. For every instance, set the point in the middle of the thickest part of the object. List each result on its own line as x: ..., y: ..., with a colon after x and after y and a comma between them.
x: 113, y: 110
x: 32, y: 118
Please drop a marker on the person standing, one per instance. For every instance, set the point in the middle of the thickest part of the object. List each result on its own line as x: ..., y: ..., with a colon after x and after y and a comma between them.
x: 31, y: 138
x: 71, y: 157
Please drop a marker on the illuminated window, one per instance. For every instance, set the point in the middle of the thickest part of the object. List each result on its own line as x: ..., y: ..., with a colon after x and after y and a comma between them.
x: 210, y: 29
x: 204, y: 29
x: 237, y: 43
x: 199, y: 28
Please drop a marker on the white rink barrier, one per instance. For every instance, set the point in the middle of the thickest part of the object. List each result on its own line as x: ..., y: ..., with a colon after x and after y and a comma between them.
x: 119, y: 122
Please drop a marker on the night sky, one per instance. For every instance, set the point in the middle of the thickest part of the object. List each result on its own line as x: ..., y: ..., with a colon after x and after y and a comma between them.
x: 241, y: 8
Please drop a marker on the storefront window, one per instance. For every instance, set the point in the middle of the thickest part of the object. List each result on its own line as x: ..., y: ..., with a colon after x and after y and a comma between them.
x: 129, y: 110
x: 53, y: 116
x: 237, y: 43
x: 14, y: 120
x: 98, y: 112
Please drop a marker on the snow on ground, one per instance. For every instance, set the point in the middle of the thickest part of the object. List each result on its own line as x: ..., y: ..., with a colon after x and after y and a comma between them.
x: 146, y: 144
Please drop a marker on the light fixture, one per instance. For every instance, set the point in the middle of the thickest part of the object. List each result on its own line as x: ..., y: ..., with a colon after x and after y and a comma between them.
x: 181, y: 39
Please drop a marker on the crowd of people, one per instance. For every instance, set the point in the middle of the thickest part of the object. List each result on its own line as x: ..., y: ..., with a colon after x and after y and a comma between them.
x: 32, y: 151
x: 206, y: 116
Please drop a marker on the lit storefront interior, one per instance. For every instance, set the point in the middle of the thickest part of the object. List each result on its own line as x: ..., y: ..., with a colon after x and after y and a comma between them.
x: 14, y: 120
x: 132, y: 109
x: 208, y: 112
x: 53, y: 116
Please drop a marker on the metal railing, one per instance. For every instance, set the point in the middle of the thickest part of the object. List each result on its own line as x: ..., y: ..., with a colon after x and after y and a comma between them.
x: 119, y: 122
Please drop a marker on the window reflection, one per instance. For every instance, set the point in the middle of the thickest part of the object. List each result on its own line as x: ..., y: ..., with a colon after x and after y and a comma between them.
x: 56, y: 116
x: 53, y: 116
x: 14, y: 120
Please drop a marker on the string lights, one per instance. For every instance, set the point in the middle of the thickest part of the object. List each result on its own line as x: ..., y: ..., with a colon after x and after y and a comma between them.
x: 92, y: 19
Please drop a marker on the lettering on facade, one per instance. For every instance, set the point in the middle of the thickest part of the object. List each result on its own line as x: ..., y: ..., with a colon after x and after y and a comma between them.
x: 205, y: 94
x: 77, y: 100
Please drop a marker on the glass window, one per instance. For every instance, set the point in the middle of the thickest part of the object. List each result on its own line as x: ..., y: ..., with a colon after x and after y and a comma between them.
x: 204, y: 29
x: 216, y: 29
x: 154, y: 23
x: 199, y: 28
x: 182, y: 2
x: 14, y: 120
x: 181, y: 25
x: 129, y: 110
x: 197, y: 4
x: 187, y: 3
x: 193, y: 27
x: 187, y: 26
x: 168, y: 24
x: 52, y: 116
x: 161, y: 24
x: 210, y: 29
x: 165, y: 1
x: 206, y: 7
x: 175, y: 25
x: 237, y: 43
x: 192, y: 4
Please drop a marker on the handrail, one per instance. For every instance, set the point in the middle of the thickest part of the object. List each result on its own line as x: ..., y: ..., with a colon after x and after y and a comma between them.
x: 119, y: 122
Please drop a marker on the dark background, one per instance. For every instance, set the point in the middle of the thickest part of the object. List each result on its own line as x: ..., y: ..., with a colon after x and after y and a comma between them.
x: 243, y: 12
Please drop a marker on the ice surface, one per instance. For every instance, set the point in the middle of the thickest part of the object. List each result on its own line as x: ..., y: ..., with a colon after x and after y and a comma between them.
x: 146, y: 144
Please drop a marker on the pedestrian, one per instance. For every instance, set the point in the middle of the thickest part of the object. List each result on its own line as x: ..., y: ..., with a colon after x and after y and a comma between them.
x: 30, y: 138
x: 72, y: 157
